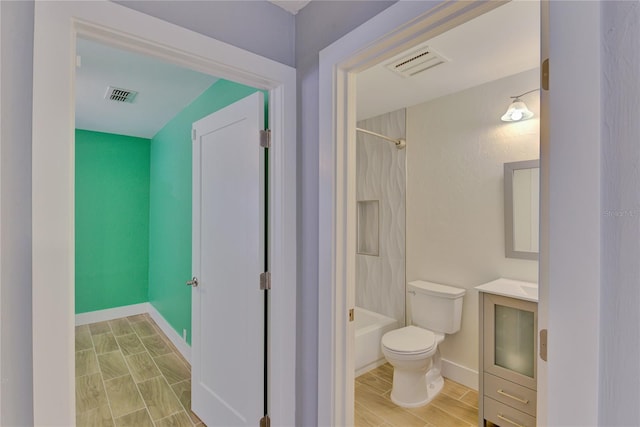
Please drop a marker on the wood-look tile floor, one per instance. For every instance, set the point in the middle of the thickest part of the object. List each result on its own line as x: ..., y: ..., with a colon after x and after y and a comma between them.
x: 128, y: 373
x: 456, y: 405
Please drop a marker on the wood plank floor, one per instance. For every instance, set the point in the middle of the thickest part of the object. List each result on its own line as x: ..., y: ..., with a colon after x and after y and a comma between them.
x: 128, y: 373
x: 456, y: 405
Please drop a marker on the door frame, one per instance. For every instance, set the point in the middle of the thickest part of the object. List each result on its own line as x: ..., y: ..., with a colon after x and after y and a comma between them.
x: 393, y: 31
x: 564, y: 259
x: 56, y: 26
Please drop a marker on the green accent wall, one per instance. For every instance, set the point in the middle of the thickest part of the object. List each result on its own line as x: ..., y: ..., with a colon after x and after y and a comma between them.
x: 170, y: 204
x: 111, y: 220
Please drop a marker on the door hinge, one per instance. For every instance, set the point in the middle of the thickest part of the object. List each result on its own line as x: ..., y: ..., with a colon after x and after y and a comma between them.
x: 265, y: 421
x: 544, y: 76
x: 543, y: 344
x: 193, y: 134
x: 265, y: 281
x: 265, y: 138
x: 351, y: 315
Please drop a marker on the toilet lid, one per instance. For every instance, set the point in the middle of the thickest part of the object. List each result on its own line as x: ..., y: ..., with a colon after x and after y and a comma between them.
x: 409, y: 339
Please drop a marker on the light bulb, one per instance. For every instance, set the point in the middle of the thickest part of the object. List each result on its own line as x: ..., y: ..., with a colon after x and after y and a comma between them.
x: 516, y: 115
x: 517, y: 111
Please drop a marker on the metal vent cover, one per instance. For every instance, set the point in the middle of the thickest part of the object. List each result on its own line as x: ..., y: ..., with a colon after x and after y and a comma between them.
x: 417, y: 61
x: 120, y: 95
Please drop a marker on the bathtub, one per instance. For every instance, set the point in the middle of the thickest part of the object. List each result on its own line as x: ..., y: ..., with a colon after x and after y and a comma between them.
x: 370, y: 327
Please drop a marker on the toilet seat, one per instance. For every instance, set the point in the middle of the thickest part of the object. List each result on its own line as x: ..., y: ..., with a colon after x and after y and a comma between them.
x: 410, y: 340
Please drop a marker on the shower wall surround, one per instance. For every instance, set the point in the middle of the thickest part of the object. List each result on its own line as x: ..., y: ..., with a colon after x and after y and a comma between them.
x: 381, y: 176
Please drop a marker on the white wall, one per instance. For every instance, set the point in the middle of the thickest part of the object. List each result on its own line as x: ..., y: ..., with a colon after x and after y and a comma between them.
x: 16, y: 38
x: 620, y: 293
x: 381, y: 175
x: 456, y: 148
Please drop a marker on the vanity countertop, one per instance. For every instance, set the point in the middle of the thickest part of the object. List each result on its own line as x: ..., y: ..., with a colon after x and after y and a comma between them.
x: 511, y: 288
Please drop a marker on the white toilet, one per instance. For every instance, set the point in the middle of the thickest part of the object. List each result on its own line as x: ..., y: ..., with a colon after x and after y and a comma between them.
x: 413, y: 350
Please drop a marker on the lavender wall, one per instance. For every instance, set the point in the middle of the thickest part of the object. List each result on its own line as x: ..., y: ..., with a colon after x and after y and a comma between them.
x: 257, y: 26
x: 620, y: 252
x: 317, y: 26
x: 16, y: 38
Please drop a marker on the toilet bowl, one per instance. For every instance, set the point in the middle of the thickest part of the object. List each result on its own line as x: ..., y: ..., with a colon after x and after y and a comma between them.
x: 412, y: 352
x: 436, y: 310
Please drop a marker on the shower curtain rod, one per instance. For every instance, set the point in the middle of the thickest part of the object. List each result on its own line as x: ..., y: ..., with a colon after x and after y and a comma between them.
x: 399, y: 142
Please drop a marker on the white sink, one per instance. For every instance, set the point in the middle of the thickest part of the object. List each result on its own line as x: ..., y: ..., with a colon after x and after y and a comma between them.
x: 511, y: 288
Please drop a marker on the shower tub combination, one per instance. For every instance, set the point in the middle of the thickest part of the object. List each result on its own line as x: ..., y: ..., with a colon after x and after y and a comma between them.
x: 370, y: 327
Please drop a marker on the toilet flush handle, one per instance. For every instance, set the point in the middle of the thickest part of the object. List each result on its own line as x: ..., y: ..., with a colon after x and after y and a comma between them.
x: 411, y: 292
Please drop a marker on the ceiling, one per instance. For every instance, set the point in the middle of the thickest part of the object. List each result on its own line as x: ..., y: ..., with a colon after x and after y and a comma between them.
x: 500, y: 43
x: 291, y: 6
x: 478, y: 52
x: 163, y: 90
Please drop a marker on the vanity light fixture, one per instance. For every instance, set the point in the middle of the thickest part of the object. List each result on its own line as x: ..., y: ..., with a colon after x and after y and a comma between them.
x: 517, y: 110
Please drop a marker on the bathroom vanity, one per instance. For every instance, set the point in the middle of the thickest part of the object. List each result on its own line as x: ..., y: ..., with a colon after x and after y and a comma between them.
x: 508, y: 351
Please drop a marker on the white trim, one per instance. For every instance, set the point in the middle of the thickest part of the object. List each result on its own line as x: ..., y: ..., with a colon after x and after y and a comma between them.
x: 544, y: 234
x: 56, y: 26
x: 571, y: 163
x: 460, y: 374
x: 371, y: 366
x: 394, y: 30
x: 111, y: 313
x: 172, y: 334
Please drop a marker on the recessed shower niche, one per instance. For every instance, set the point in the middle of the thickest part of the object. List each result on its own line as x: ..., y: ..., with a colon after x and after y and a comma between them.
x: 368, y: 238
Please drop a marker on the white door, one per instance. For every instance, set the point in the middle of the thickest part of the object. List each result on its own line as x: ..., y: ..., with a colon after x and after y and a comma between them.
x: 228, y: 257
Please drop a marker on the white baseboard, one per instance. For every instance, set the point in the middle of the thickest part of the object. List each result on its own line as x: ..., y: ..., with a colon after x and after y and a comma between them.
x: 460, y: 374
x: 370, y: 366
x: 176, y: 339
x: 131, y: 310
x: 111, y: 313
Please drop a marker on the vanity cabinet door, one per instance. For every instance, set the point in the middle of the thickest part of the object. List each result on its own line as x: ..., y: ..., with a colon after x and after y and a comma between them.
x: 510, y: 339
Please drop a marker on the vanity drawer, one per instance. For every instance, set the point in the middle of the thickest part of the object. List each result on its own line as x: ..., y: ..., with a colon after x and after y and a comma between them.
x: 505, y: 416
x: 511, y: 394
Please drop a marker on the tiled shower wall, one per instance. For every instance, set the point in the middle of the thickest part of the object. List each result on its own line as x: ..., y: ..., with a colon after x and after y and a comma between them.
x: 381, y: 176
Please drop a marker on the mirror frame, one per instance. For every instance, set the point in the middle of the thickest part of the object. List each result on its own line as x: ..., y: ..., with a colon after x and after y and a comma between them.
x: 509, y: 168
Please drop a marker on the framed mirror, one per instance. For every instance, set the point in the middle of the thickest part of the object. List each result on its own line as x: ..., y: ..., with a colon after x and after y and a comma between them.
x: 521, y: 209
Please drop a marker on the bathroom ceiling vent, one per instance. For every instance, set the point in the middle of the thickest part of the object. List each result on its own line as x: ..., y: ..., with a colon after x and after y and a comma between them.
x: 416, y: 62
x: 120, y: 95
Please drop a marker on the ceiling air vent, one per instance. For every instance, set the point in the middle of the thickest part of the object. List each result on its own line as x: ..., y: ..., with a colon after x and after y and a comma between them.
x: 120, y: 95
x: 417, y: 62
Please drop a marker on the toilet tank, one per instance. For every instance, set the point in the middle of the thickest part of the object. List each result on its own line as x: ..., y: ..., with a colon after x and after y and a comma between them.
x: 435, y: 307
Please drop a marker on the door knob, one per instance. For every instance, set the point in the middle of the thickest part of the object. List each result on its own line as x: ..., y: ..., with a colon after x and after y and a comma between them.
x: 193, y: 282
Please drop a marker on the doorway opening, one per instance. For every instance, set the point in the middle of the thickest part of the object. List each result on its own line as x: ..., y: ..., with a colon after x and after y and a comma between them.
x: 405, y: 35
x: 53, y: 171
x: 438, y: 204
x: 133, y: 228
